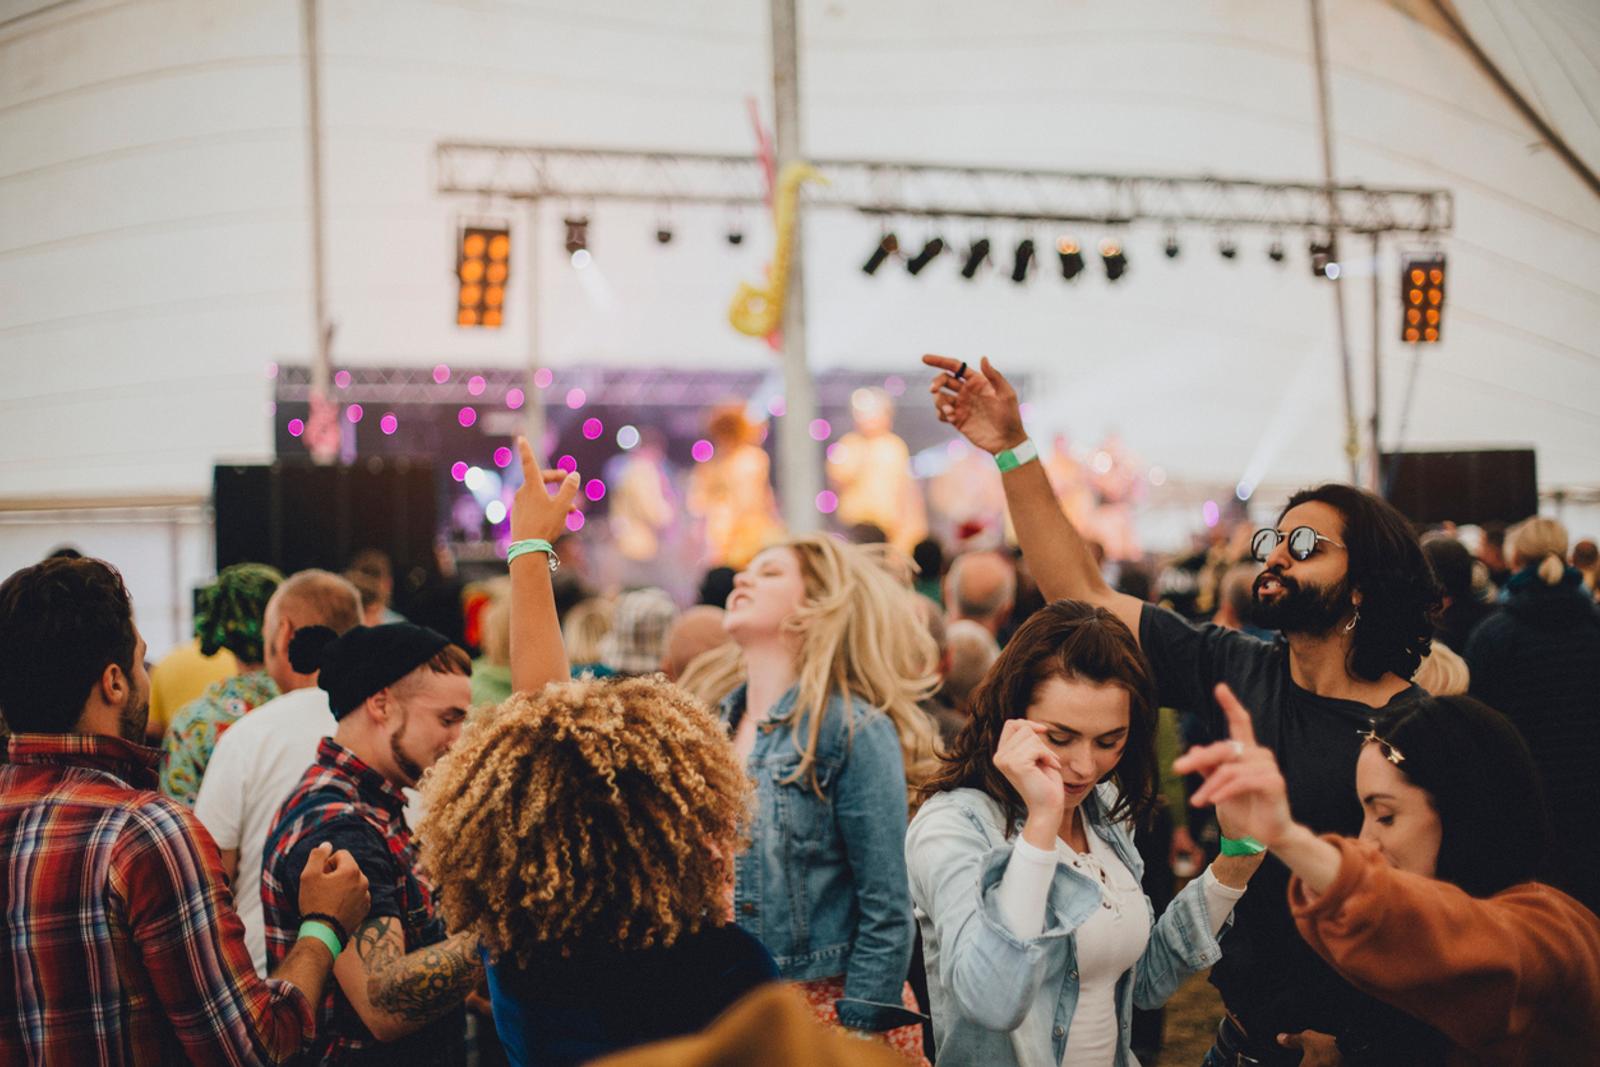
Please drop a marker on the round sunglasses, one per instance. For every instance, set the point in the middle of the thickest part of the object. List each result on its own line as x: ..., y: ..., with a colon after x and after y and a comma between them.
x: 1302, y: 542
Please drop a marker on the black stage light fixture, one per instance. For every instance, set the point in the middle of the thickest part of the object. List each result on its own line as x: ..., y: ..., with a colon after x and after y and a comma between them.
x: 1275, y: 251
x: 1325, y: 259
x: 1172, y: 249
x: 1071, y: 258
x: 975, y: 257
x: 1227, y: 249
x: 1422, y: 298
x: 664, y: 234
x: 887, y: 247
x: 924, y: 257
x: 1019, y: 272
x: 577, y: 234
x: 736, y: 237
x: 1115, y: 261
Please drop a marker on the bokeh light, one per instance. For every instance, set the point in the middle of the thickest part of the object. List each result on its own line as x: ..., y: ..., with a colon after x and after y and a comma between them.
x: 827, y: 502
x: 593, y: 428
x: 894, y: 385
x: 514, y: 398
x: 476, y: 479
x: 388, y: 424
x: 502, y: 456
x: 595, y: 490
x: 1211, y: 514
x: 702, y: 451
x: 296, y: 427
x: 821, y: 429
x: 627, y: 438
x: 574, y: 521
x: 567, y: 463
x: 475, y: 385
x: 441, y: 374
x: 543, y: 377
x: 467, y: 416
x: 777, y: 406
x: 342, y: 379
x: 576, y: 398
x: 495, y: 512
x: 272, y: 370
x: 354, y: 413
x: 458, y: 470
x: 581, y: 258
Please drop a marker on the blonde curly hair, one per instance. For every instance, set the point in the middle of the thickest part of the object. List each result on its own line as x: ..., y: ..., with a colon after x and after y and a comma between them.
x: 593, y: 813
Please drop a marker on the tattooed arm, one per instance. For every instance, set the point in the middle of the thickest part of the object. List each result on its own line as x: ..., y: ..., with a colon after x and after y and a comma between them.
x: 396, y: 992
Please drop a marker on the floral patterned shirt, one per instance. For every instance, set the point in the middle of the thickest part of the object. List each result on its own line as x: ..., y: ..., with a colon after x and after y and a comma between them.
x: 195, y: 729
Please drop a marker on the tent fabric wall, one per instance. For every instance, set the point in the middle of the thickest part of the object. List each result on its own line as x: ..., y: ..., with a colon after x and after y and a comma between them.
x: 154, y: 241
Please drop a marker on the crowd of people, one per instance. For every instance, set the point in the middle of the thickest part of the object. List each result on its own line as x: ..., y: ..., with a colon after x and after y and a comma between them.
x: 856, y: 806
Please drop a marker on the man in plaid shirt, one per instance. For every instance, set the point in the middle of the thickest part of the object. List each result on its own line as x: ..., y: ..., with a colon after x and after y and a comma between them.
x: 118, y: 939
x: 400, y: 694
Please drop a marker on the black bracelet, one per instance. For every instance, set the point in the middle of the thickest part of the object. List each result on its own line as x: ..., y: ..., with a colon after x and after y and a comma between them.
x: 334, y: 924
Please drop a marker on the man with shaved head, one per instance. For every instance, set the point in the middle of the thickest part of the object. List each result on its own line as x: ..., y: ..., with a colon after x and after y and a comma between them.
x: 981, y: 586
x: 258, y: 762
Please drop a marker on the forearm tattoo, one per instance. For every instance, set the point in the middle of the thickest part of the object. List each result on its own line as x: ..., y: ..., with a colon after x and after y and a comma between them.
x: 420, y: 986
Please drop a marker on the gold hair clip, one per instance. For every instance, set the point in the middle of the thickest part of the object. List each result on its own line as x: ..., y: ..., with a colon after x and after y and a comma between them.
x: 1390, y: 753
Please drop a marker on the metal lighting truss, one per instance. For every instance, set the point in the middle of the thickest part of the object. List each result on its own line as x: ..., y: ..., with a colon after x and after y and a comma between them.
x: 940, y: 191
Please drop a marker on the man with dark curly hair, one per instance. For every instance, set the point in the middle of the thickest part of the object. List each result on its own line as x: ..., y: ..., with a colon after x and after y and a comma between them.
x: 1346, y: 584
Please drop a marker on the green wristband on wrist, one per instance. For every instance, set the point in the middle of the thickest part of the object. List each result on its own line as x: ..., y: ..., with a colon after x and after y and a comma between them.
x: 533, y: 544
x: 1241, y: 846
x: 1012, y: 458
x: 321, y: 931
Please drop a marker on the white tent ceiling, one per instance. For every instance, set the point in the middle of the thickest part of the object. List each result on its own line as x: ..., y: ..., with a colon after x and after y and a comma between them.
x: 154, y: 243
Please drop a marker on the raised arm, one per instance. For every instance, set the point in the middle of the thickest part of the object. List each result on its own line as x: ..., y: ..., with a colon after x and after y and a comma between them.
x: 983, y: 406
x: 537, y: 654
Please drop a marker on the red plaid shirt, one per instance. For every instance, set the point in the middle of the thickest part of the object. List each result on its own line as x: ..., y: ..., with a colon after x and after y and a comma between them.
x: 118, y: 939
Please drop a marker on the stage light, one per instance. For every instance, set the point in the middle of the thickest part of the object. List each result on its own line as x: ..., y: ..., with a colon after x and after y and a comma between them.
x: 458, y: 470
x: 628, y: 438
x: 581, y: 259
x: 342, y: 379
x: 467, y: 416
x: 820, y: 429
x: 502, y: 457
x: 576, y: 398
x: 924, y: 257
x: 296, y: 427
x: 482, y: 266
x: 1227, y: 249
x: 1325, y: 259
x: 1422, y: 298
x: 593, y: 428
x: 1172, y: 248
x: 543, y: 377
x: 495, y: 512
x: 887, y: 247
x: 515, y: 398
x: 736, y: 237
x: 976, y: 254
x: 441, y: 374
x: 476, y: 384
x: 827, y: 502
x: 702, y: 451
x: 1019, y: 272
x: 1275, y: 251
x: 1071, y: 257
x: 577, y: 234
x: 1116, y: 263
x: 354, y: 413
x: 595, y: 490
x: 664, y: 234
x: 388, y: 424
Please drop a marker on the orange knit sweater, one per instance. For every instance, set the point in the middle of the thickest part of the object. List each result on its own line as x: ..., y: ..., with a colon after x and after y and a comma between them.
x: 1513, y: 980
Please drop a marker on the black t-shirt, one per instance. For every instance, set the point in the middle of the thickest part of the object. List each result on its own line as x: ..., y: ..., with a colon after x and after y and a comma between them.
x: 1268, y: 976
x: 441, y: 1042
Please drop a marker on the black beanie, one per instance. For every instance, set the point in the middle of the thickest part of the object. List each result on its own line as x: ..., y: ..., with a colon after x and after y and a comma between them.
x: 364, y: 660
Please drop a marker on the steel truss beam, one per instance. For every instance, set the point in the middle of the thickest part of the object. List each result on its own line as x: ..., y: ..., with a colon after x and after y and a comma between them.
x: 925, y: 190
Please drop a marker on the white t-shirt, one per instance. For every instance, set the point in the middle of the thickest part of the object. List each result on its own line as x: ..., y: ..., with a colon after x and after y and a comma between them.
x: 257, y: 763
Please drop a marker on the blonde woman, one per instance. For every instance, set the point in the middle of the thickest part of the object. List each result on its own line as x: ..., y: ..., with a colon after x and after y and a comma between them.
x: 827, y: 724
x: 583, y: 630
x: 1537, y: 660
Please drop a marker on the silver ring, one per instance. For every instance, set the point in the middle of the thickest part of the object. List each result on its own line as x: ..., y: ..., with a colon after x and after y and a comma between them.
x: 1238, y: 749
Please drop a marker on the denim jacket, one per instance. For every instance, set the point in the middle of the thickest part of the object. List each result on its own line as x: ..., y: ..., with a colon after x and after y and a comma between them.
x: 999, y: 999
x: 823, y: 884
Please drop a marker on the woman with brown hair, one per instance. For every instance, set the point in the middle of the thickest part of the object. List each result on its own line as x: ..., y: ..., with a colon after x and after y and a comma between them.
x: 1039, y: 940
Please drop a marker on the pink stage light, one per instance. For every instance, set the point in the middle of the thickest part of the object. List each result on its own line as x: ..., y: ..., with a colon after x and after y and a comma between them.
x: 1211, y: 513
x: 827, y: 502
x: 595, y: 490
x: 702, y: 451
x: 574, y: 521
x: 475, y: 385
x: 514, y: 398
x: 894, y: 385
x: 296, y: 427
x: 458, y: 470
x: 389, y: 424
x: 576, y: 398
x: 502, y: 456
x: 777, y: 406
x: 441, y: 374
x: 833, y: 452
x: 354, y: 413
x: 593, y: 428
x: 821, y: 429
x: 342, y: 379
x: 543, y: 377
x: 567, y: 463
x: 467, y: 416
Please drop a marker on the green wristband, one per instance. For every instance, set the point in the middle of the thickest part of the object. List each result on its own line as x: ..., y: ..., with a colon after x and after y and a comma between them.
x: 322, y: 932
x: 533, y: 544
x: 1242, y: 846
x: 1012, y: 458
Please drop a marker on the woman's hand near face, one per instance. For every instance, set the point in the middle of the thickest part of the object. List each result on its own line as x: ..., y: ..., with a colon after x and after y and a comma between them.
x: 1035, y: 773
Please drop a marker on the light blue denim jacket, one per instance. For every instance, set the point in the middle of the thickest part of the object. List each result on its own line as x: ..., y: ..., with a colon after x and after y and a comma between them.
x: 823, y: 884
x: 998, y: 999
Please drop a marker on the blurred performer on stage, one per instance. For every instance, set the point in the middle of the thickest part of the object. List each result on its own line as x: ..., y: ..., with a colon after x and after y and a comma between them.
x: 1070, y: 481
x: 1118, y: 476
x: 644, y: 509
x: 969, y: 501
x: 732, y: 491
x: 870, y: 470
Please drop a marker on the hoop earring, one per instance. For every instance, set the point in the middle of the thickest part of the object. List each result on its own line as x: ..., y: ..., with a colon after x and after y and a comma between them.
x: 1351, y: 625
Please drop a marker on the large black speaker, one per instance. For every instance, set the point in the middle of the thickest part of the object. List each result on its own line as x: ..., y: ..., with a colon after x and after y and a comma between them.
x: 296, y: 516
x: 1463, y: 487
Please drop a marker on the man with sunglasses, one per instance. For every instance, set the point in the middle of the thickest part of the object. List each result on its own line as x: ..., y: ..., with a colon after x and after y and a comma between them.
x: 1347, y: 586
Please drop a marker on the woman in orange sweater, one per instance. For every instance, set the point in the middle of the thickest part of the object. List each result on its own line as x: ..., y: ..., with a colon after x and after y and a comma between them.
x: 1436, y: 907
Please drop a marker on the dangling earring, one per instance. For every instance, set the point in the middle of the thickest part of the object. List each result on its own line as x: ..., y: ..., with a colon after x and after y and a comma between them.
x: 1351, y: 625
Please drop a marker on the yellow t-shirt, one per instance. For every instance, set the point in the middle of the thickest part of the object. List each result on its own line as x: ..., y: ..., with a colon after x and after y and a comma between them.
x: 182, y: 675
